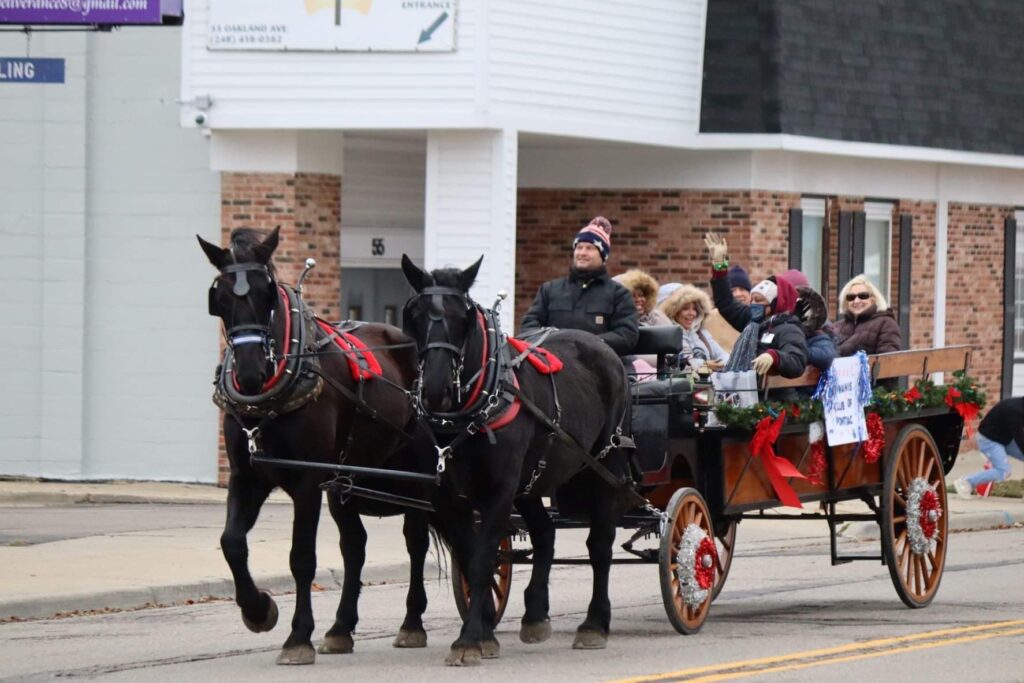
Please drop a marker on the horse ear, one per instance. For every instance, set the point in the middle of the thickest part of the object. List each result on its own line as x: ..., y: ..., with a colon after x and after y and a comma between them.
x: 417, y: 278
x: 266, y: 248
x: 468, y: 276
x: 215, y: 254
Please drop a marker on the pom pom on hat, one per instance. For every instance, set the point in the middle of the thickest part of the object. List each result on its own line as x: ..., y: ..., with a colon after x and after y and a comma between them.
x: 598, y: 233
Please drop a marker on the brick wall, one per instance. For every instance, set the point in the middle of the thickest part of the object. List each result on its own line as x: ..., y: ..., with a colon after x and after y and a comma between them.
x: 307, y: 206
x: 974, y: 288
x: 660, y: 231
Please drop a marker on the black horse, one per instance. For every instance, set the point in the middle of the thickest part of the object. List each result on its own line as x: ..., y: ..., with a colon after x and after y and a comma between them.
x: 291, y: 392
x: 471, y: 385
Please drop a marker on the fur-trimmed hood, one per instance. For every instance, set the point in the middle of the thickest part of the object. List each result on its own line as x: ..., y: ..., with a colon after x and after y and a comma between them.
x: 811, y: 309
x: 638, y: 279
x: 687, y: 294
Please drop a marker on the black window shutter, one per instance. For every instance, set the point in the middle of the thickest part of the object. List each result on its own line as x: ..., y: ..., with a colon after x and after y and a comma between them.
x: 1009, y: 292
x: 845, y: 250
x: 796, y: 238
x: 858, y: 245
x: 906, y: 236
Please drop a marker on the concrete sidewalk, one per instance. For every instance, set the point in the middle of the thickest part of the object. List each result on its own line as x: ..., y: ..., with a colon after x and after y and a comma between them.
x: 174, y: 555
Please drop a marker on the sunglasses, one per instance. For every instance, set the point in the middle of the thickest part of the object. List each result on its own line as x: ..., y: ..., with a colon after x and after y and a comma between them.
x: 858, y: 295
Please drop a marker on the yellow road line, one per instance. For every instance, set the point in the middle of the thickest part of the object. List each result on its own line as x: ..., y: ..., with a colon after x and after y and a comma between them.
x: 829, y: 654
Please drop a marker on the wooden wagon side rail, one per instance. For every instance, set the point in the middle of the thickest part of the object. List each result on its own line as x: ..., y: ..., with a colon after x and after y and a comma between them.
x: 895, y: 364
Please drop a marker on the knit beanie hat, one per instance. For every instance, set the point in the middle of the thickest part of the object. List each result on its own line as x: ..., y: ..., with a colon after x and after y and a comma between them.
x: 766, y: 288
x: 598, y: 233
x: 796, y: 278
x: 738, y: 277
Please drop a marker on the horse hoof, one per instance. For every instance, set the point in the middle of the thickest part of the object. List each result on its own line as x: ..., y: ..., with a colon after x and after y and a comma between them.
x: 269, y: 621
x: 535, y: 633
x: 590, y: 640
x: 410, y: 638
x: 463, y: 656
x: 297, y: 654
x: 336, y: 644
x: 490, y: 649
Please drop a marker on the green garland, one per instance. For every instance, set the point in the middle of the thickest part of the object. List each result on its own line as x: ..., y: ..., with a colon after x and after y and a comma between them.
x: 884, y: 401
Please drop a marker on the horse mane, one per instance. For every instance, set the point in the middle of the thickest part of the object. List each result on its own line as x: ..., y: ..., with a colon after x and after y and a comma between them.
x: 243, y: 245
x: 448, y: 277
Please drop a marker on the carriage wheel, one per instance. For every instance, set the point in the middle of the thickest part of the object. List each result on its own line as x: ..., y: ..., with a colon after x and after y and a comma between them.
x: 914, y: 516
x: 726, y: 546
x: 501, y: 582
x: 687, y: 561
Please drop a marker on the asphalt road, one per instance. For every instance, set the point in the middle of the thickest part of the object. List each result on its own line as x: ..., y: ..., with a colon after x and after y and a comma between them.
x: 785, y: 615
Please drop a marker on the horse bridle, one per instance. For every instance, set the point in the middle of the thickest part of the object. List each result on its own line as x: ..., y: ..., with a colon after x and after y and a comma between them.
x: 250, y: 333
x: 435, y: 312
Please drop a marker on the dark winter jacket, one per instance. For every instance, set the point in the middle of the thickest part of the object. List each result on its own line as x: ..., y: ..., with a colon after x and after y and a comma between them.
x: 780, y: 335
x: 1005, y: 422
x: 821, y: 346
x: 590, y: 302
x: 872, y: 332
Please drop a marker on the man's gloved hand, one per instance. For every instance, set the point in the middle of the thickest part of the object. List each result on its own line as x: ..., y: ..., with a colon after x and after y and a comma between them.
x: 763, y: 363
x: 718, y: 250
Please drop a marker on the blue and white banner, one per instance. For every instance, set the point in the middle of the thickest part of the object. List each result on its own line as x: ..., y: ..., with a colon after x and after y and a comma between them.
x: 844, y: 393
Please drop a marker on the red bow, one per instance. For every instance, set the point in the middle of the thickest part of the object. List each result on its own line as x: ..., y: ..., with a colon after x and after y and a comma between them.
x: 951, y: 395
x: 912, y: 396
x: 968, y: 411
x: 765, y: 435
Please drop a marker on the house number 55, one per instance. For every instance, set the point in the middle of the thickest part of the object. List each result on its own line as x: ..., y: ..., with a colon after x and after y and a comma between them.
x: 377, y: 246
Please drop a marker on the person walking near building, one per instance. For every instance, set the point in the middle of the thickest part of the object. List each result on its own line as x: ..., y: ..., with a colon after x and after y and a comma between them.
x: 588, y: 299
x: 1000, y: 437
x: 865, y: 321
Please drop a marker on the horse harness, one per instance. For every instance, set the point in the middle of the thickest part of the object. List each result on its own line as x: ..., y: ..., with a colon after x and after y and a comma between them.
x: 299, y: 379
x: 495, y: 392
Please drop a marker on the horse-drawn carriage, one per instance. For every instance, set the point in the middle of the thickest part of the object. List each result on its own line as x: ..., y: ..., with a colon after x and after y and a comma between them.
x: 448, y: 417
x: 709, y: 478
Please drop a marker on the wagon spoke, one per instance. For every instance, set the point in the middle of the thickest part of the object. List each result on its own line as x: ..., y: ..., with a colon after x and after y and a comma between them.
x: 899, y: 499
x: 698, y: 518
x: 930, y: 467
x: 899, y: 520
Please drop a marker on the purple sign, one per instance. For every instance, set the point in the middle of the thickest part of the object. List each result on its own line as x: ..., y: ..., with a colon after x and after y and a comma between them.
x: 116, y: 12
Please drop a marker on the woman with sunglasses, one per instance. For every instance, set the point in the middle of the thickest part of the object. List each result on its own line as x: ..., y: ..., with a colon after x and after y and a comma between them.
x: 865, y: 321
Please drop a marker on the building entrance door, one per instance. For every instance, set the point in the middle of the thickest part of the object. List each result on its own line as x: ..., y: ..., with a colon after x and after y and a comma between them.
x: 374, y: 294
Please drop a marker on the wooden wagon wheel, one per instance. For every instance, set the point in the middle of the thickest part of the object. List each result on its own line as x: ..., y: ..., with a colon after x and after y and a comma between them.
x: 687, y: 561
x: 914, y: 516
x: 501, y: 582
x: 726, y: 546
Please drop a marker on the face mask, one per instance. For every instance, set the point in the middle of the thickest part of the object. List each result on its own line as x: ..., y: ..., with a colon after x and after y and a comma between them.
x: 757, y: 312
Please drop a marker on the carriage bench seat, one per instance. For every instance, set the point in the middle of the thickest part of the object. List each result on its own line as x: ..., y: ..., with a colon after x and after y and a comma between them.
x: 659, y: 340
x: 661, y: 391
x: 895, y: 364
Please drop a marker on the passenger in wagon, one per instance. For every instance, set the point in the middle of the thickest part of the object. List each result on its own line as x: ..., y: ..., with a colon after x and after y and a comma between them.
x: 587, y: 299
x: 644, y: 289
x: 741, y: 285
x: 781, y: 345
x: 688, y: 307
x: 865, y: 321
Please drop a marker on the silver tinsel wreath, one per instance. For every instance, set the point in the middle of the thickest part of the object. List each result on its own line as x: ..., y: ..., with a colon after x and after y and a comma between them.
x: 686, y: 566
x: 919, y: 542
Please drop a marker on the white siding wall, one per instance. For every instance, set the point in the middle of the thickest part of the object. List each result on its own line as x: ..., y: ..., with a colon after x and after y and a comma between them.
x: 606, y: 69
x: 471, y: 208
x: 384, y: 182
x: 327, y: 89
x: 103, y: 292
x: 598, y: 68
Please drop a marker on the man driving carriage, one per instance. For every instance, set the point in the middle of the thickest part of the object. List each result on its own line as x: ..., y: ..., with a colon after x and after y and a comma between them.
x: 588, y: 299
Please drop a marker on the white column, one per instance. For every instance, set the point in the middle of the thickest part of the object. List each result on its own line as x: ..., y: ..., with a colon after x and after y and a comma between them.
x: 471, y: 209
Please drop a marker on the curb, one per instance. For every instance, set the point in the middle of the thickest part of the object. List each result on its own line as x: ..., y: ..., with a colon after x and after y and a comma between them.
x: 967, y: 521
x: 178, y: 594
x: 62, y: 498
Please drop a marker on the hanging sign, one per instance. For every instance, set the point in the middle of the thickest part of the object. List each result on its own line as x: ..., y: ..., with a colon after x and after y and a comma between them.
x: 31, y: 70
x: 333, y: 25
x: 844, y: 394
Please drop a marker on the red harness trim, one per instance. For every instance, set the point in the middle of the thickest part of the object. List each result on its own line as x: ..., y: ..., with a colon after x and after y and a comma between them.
x: 543, y: 361
x: 509, y: 413
x: 350, y: 343
x: 475, y: 394
x: 269, y: 384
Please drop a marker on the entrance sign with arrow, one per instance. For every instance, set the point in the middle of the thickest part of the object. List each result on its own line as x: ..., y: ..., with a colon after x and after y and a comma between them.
x: 333, y: 25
